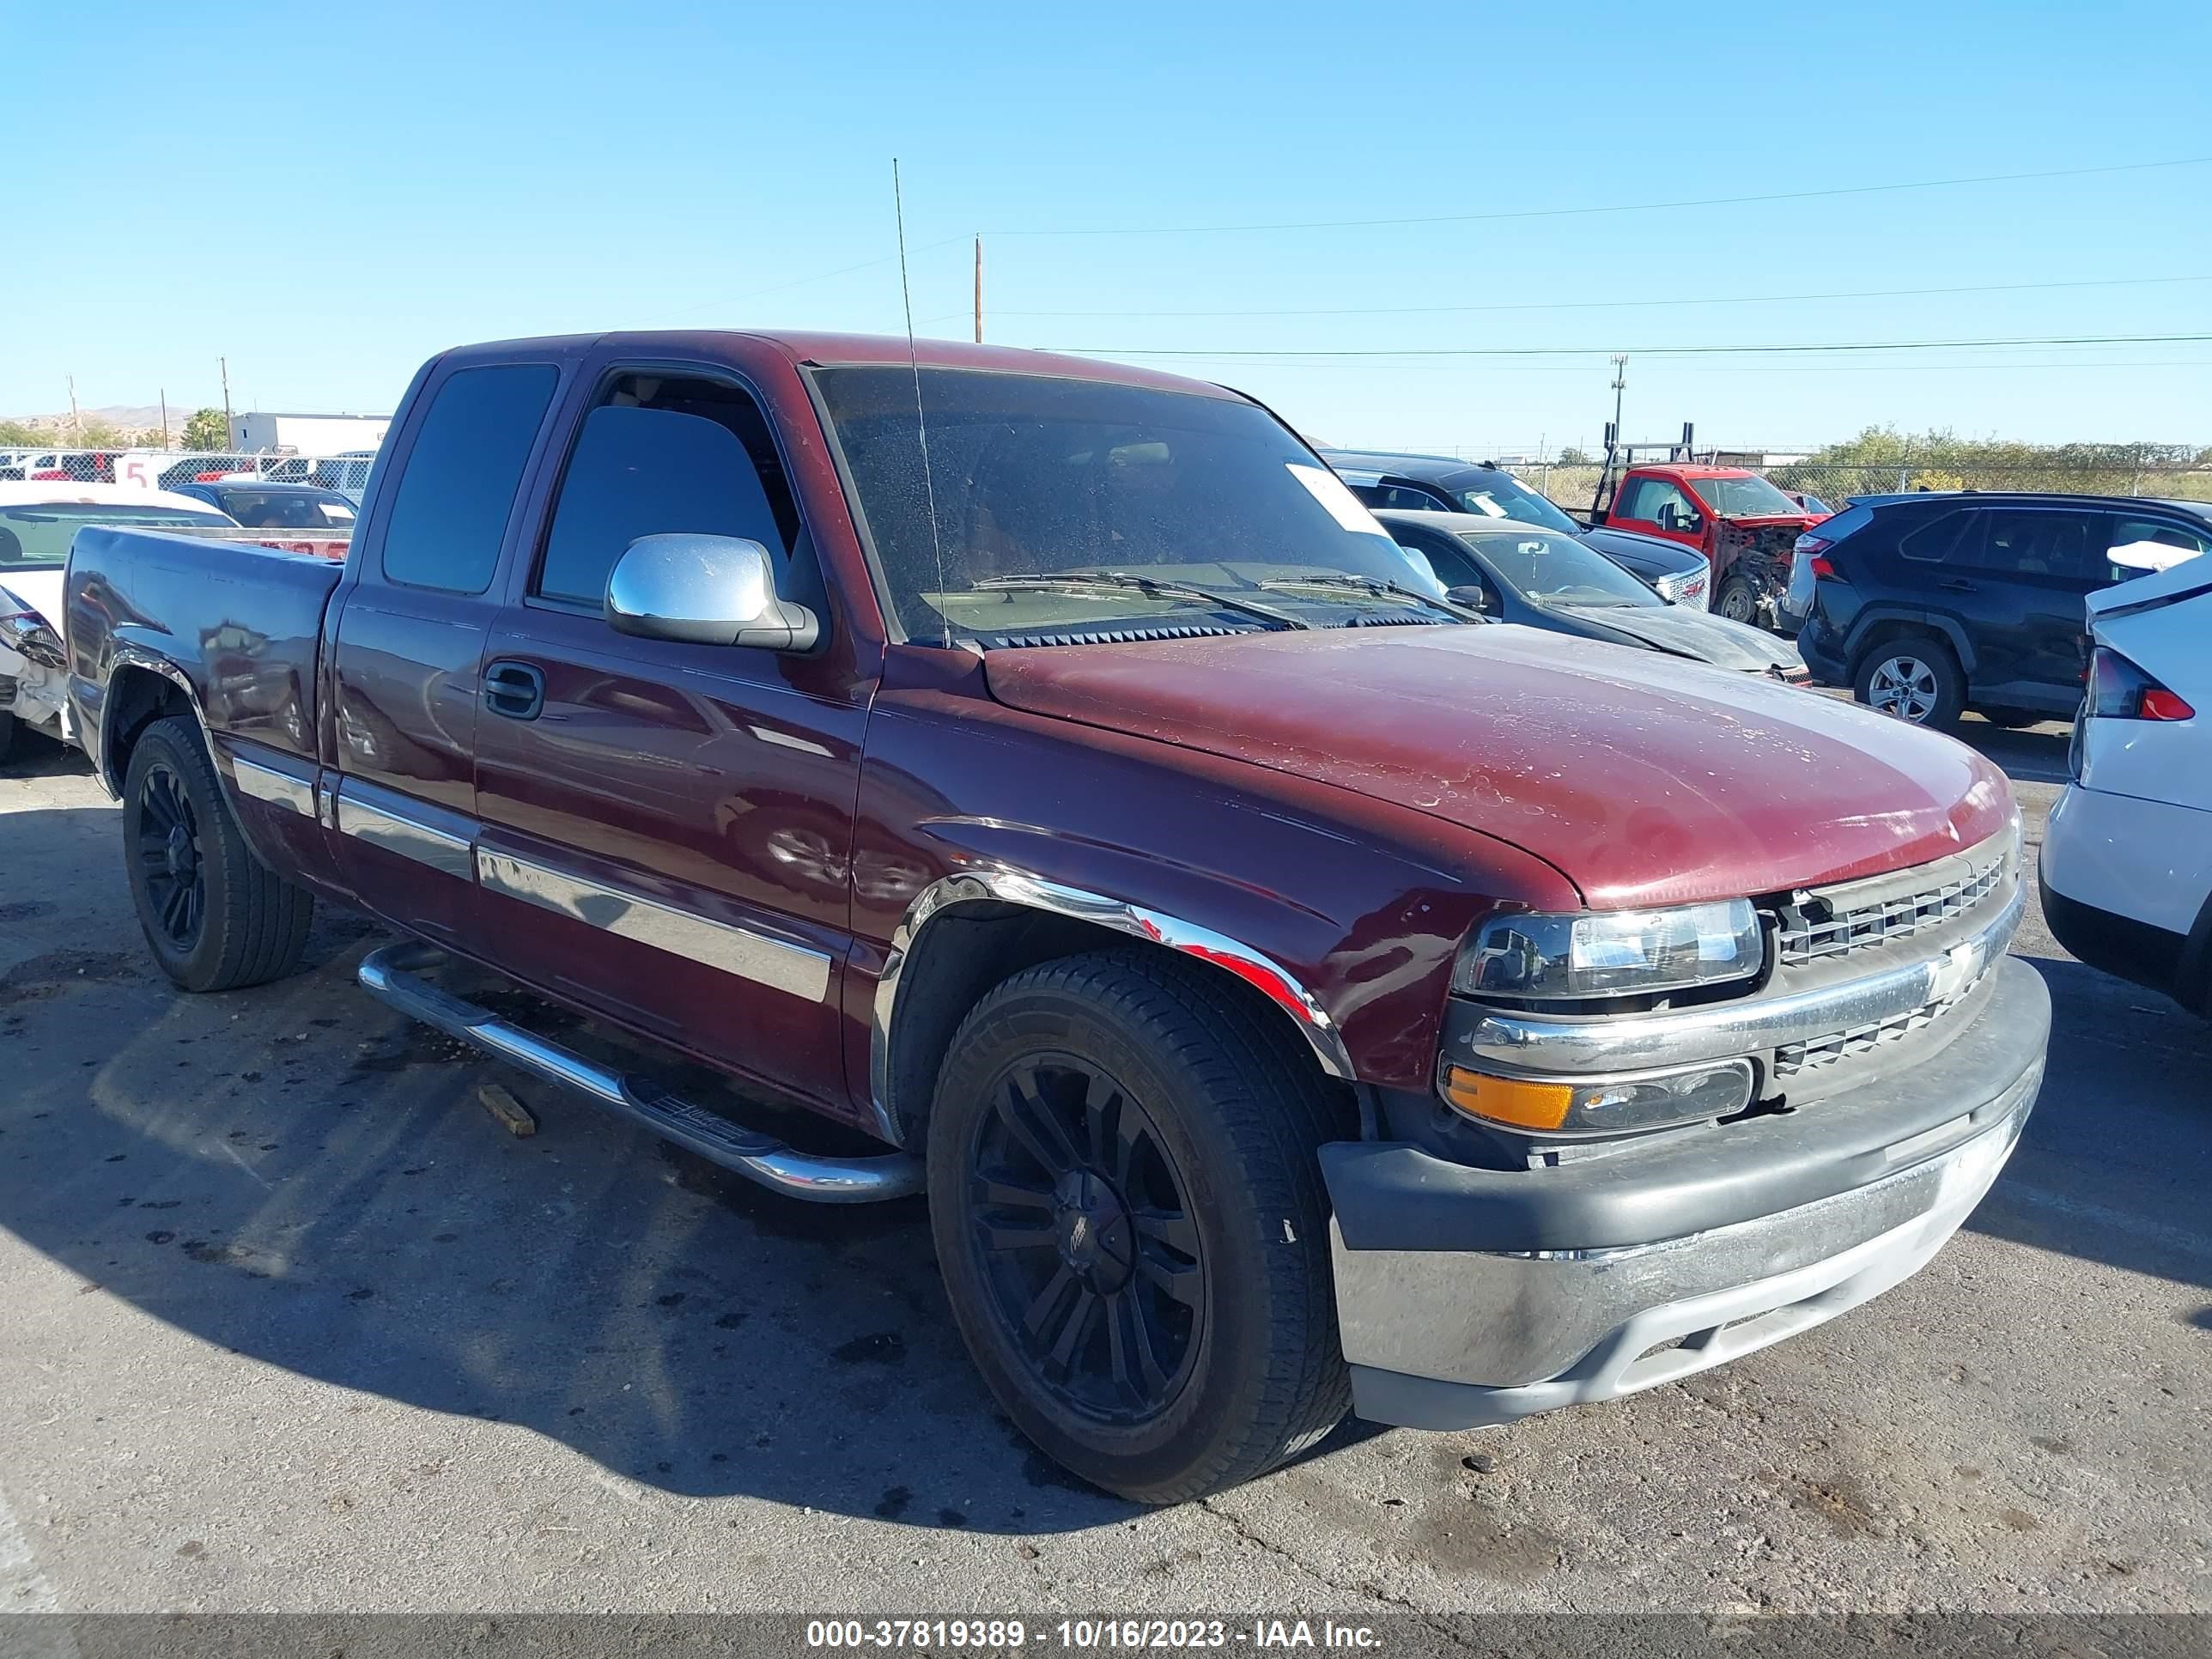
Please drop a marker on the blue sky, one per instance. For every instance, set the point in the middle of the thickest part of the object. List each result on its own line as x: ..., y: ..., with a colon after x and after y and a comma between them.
x: 326, y: 198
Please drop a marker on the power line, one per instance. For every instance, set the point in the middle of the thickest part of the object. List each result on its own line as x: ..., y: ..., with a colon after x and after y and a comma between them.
x: 1648, y: 350
x: 1611, y: 305
x: 1627, y: 207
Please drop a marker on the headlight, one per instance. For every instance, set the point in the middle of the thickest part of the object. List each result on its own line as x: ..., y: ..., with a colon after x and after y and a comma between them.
x: 1611, y: 953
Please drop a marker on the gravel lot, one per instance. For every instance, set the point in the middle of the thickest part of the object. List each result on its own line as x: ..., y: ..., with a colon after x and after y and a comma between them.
x: 288, y: 1321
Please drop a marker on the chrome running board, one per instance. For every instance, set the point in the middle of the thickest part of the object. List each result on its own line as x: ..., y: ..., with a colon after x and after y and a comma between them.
x: 391, y: 975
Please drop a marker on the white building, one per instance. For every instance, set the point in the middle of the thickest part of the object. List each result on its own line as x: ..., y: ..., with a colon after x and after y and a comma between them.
x: 306, y: 434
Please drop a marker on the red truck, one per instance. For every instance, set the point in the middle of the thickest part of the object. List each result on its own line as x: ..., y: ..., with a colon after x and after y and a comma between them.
x: 1746, y: 527
x: 1292, y: 993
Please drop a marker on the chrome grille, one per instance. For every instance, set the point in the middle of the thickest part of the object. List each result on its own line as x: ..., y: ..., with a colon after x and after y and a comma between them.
x: 1816, y: 1052
x: 1813, y: 927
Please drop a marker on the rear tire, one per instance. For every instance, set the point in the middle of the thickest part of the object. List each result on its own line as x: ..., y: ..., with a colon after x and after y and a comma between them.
x: 1914, y: 678
x: 1131, y: 1225
x: 215, y: 916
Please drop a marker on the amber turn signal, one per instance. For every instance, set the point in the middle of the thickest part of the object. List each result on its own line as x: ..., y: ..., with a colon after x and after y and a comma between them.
x: 1508, y: 1100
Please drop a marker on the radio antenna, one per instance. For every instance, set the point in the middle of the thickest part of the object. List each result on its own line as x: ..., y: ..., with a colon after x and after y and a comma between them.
x: 921, y: 418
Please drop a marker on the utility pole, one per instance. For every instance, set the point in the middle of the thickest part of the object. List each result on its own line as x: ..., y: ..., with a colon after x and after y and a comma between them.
x: 76, y: 424
x: 223, y: 363
x: 165, y: 417
x: 979, y: 287
x: 1619, y: 381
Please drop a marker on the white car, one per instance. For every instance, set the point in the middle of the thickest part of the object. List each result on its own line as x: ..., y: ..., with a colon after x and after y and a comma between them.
x: 37, y: 521
x: 2127, y: 855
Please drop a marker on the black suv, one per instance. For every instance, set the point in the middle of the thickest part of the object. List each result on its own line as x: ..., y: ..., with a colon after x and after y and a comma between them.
x: 1931, y: 604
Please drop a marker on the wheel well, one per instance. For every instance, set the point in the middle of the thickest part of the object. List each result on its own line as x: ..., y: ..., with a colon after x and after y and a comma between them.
x: 136, y: 699
x: 963, y: 950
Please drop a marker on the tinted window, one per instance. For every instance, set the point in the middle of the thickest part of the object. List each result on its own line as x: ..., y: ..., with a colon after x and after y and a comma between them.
x: 460, y: 481
x: 1407, y: 498
x: 2151, y: 544
x: 286, y: 509
x: 1449, y: 563
x: 645, y: 471
x: 1934, y: 541
x: 2029, y: 542
x: 1656, y: 500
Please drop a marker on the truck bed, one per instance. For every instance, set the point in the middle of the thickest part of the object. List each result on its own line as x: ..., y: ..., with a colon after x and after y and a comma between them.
x: 241, y: 620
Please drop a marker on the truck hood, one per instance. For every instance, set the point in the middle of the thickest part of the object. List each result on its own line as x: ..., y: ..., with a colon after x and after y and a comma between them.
x: 1643, y: 779
x: 1694, y: 634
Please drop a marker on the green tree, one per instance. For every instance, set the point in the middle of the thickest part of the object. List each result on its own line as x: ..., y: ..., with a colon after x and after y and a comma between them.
x: 207, y: 430
x: 22, y: 432
x: 1572, y: 455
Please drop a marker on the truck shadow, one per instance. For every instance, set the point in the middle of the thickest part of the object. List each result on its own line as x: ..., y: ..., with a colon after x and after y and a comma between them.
x: 296, y: 1174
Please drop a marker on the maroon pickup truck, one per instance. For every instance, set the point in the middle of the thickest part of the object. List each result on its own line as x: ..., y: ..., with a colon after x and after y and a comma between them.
x: 1293, y: 993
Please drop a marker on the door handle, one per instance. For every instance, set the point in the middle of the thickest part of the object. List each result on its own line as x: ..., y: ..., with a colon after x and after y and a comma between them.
x: 514, y: 690
x: 1955, y: 586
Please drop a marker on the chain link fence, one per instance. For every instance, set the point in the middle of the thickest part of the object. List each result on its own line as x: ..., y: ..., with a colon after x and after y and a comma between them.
x: 165, y: 469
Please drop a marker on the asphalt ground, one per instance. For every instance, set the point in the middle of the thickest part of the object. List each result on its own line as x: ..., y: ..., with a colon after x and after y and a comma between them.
x: 289, y: 1322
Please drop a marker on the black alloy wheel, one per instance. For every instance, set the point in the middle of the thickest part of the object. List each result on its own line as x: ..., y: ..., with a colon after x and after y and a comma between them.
x: 1085, y: 1239
x: 170, y: 857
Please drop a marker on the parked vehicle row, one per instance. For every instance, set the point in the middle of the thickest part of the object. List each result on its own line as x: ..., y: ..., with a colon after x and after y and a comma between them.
x: 1523, y: 573
x: 1435, y: 484
x: 1294, y: 992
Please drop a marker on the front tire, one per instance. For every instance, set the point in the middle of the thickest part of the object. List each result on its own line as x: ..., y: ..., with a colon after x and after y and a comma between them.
x: 1737, y: 601
x: 1912, y: 679
x: 215, y: 916
x: 1131, y: 1225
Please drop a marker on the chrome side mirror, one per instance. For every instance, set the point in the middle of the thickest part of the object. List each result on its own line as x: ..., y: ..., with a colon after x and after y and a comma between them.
x: 704, y: 590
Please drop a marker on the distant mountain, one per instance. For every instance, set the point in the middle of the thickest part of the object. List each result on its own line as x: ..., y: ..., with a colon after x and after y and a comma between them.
x: 131, y: 416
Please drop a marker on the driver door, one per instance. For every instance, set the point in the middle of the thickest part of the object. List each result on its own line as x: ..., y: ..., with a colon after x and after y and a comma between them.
x: 667, y: 826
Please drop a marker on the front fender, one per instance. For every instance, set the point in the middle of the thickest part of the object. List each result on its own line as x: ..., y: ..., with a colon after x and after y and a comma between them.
x: 1345, y: 912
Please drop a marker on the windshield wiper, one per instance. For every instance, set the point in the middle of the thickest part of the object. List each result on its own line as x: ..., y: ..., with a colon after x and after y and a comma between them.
x: 1375, y: 587
x: 1186, y: 592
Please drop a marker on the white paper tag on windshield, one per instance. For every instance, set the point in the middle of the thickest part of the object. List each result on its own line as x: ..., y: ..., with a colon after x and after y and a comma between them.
x: 1343, y: 505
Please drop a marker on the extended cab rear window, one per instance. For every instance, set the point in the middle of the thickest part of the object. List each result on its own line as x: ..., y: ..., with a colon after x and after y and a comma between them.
x: 458, y: 484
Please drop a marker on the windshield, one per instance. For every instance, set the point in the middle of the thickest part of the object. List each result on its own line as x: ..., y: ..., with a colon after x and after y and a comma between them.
x: 38, y: 538
x: 287, y: 509
x: 1552, y: 569
x: 1744, y: 498
x: 1037, y: 475
x: 1501, y: 496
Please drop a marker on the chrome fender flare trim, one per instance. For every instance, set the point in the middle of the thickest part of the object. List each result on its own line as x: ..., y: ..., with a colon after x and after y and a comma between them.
x: 1007, y: 886
x: 127, y: 655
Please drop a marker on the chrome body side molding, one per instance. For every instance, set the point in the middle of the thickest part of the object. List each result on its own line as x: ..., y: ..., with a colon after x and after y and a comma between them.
x: 796, y: 969
x: 266, y: 783
x: 1007, y: 886
x: 395, y: 830
x: 391, y: 975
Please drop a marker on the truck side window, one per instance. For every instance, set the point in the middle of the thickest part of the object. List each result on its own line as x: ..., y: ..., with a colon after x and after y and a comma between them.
x: 662, y: 455
x: 459, y: 482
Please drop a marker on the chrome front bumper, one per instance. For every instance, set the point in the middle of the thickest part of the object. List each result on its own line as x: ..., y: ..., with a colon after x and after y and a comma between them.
x: 1455, y: 1338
